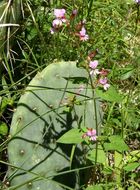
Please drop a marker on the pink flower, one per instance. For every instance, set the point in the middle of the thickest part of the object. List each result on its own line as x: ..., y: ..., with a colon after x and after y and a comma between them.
x: 93, y: 65
x: 57, y: 23
x: 59, y: 19
x: 103, y: 81
x: 83, y: 35
x: 106, y: 86
x: 94, y: 72
x: 60, y: 14
x: 91, y: 133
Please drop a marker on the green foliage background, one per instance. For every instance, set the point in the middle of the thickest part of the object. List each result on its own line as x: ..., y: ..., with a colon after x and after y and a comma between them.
x: 113, y: 28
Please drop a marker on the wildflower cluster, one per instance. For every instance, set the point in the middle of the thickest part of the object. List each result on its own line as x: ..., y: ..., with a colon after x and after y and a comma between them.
x: 101, y: 75
x: 60, y: 19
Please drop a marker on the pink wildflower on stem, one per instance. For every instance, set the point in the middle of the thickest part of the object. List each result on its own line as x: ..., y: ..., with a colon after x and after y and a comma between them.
x: 59, y: 19
x: 106, y: 86
x: 93, y: 65
x: 83, y: 35
x: 57, y: 23
x: 60, y: 14
x: 91, y: 133
x: 104, y: 83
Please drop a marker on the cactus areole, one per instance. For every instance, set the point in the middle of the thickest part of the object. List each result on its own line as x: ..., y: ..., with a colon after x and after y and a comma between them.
x: 56, y: 100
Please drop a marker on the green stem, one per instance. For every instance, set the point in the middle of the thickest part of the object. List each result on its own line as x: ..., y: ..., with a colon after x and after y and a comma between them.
x: 95, y: 111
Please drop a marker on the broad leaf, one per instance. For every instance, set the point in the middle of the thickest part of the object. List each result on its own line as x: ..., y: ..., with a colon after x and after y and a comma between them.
x: 3, y: 128
x: 127, y: 75
x: 74, y: 136
x: 131, y: 166
x: 116, y: 143
x: 101, y: 157
x: 110, y: 95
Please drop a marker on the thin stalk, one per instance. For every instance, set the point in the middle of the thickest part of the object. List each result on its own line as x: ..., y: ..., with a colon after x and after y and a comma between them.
x: 95, y: 111
x: 30, y: 51
x: 6, y: 65
x: 72, y: 155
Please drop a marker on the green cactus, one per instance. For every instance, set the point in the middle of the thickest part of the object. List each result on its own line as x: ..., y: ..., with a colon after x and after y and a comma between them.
x: 51, y: 105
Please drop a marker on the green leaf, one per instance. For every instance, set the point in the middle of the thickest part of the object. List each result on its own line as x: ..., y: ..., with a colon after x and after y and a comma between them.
x: 5, y: 87
x: 32, y: 34
x: 127, y: 74
x: 108, y: 170
x: 4, y: 102
x: 3, y: 129
x: 74, y: 136
x: 131, y: 166
x: 95, y: 187
x: 133, y: 156
x: 116, y: 143
x: 118, y: 159
x: 101, y: 156
x: 110, y: 95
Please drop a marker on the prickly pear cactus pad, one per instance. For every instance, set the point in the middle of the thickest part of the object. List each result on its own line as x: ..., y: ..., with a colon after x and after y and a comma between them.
x: 52, y: 104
